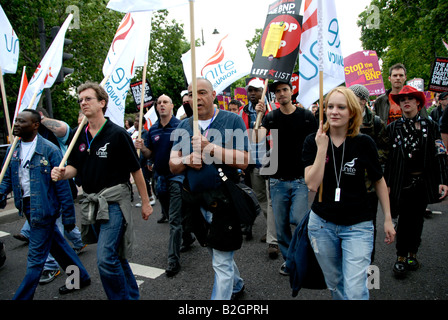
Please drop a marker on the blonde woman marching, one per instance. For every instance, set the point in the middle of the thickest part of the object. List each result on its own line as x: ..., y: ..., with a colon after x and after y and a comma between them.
x: 341, y: 225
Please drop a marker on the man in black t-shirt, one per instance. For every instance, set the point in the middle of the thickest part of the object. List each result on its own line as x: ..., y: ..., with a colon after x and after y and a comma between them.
x: 289, y: 126
x: 104, y: 156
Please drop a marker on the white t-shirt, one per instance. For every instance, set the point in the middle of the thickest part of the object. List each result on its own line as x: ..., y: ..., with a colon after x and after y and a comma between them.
x: 24, y: 168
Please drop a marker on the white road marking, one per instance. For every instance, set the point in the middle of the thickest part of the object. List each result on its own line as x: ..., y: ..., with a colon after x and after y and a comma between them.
x: 3, y: 234
x: 145, y: 271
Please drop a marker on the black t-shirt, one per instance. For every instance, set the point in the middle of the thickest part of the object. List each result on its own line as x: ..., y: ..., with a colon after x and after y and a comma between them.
x: 292, y: 130
x: 111, y: 159
x: 360, y: 155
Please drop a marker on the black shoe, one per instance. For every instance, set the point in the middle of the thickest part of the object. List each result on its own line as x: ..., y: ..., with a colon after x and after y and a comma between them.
x: 65, y: 290
x: 400, y: 267
x: 162, y: 220
x: 238, y: 295
x: 186, y: 243
x: 173, y: 269
x: 48, y: 276
x: 21, y: 237
x: 412, y: 263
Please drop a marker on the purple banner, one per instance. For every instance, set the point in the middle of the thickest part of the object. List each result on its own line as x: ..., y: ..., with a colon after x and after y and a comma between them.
x: 362, y: 67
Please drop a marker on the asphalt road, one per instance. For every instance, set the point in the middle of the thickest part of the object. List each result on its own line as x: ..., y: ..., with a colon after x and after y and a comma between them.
x: 262, y: 279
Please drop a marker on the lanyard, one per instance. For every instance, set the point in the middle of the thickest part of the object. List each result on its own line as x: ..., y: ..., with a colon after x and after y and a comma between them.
x: 337, y: 195
x: 89, y: 143
x: 206, y: 133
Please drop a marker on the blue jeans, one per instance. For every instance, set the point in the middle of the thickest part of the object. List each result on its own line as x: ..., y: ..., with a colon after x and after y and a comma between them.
x: 44, y: 239
x: 115, y: 273
x: 343, y: 253
x: 289, y: 200
x: 227, y: 276
x: 74, y: 236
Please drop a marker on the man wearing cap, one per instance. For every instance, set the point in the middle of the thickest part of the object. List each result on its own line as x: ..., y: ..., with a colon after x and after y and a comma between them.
x: 289, y: 126
x: 258, y: 183
x: 385, y: 107
x: 416, y: 173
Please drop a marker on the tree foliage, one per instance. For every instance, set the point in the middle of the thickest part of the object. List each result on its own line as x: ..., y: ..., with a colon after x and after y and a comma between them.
x: 406, y: 31
x: 90, y: 46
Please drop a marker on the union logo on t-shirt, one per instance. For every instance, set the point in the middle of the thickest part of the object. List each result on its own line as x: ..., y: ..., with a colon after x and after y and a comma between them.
x: 102, y: 152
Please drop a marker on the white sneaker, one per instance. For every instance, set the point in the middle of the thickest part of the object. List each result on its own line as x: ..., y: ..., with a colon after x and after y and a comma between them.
x: 152, y: 201
x: 138, y: 205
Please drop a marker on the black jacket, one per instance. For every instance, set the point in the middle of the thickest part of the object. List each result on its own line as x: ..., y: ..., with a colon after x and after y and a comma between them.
x: 434, y: 166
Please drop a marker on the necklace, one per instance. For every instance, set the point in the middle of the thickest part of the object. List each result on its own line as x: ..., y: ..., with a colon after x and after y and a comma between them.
x: 337, y: 194
x: 89, y: 143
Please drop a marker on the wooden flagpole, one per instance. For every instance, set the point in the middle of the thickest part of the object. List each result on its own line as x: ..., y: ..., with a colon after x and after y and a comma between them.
x: 13, y: 146
x: 260, y: 114
x: 196, y: 131
x: 5, y: 105
x: 142, y: 104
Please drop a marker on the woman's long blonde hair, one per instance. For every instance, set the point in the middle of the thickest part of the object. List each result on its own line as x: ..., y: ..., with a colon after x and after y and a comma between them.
x: 354, y: 124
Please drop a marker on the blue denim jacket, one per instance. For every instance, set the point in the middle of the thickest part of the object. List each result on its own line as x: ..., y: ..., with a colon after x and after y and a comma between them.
x: 48, y: 199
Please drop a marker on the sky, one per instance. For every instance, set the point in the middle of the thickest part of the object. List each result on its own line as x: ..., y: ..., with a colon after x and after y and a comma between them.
x: 242, y: 17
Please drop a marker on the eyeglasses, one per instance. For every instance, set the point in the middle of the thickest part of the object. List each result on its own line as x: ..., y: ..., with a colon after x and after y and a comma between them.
x: 86, y: 99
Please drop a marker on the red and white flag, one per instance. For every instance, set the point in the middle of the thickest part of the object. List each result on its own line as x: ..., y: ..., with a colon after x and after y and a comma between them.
x: 320, y: 50
x: 144, y: 5
x: 151, y: 117
x: 9, y: 45
x: 129, y: 49
x: 47, y: 70
x: 445, y: 44
x: 221, y: 62
x: 22, y: 89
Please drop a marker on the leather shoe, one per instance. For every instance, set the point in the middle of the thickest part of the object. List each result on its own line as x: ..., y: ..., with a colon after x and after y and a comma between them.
x: 173, y: 269
x: 412, y: 263
x: 400, y: 267
x: 21, y: 237
x: 65, y: 290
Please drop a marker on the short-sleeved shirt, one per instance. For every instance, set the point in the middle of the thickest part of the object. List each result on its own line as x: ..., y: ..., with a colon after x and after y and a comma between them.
x: 160, y: 143
x: 292, y: 130
x: 228, y: 131
x: 360, y: 156
x: 111, y: 159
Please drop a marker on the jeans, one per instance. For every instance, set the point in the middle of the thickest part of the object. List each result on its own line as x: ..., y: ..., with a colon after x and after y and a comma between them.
x: 343, y: 253
x: 44, y: 239
x: 227, y: 276
x: 74, y: 236
x: 115, y: 273
x: 290, y: 204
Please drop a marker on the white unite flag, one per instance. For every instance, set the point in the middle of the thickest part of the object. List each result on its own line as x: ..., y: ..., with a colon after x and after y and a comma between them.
x: 222, y: 62
x: 47, y: 70
x: 144, y: 5
x: 320, y: 50
x: 9, y: 45
x: 129, y: 49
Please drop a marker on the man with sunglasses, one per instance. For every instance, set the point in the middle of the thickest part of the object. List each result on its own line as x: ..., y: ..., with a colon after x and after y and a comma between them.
x: 104, y: 156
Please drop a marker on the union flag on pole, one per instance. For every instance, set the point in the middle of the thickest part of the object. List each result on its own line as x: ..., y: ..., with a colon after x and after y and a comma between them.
x: 129, y: 49
x: 222, y: 62
x: 9, y: 45
x: 47, y: 70
x: 144, y: 5
x: 320, y: 50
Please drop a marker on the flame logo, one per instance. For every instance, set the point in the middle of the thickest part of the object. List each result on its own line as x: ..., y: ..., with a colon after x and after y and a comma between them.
x: 217, y: 57
x: 123, y: 29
